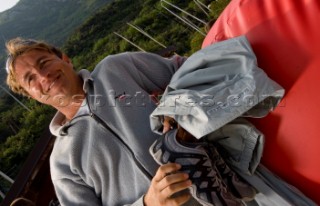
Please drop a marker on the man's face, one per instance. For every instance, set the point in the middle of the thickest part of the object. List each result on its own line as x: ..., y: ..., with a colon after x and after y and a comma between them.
x: 46, y: 77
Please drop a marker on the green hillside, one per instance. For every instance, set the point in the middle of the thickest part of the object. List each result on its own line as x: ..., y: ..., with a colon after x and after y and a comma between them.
x: 96, y: 38
x: 52, y: 20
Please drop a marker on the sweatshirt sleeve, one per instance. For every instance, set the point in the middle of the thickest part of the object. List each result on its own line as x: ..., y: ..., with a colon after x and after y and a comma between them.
x: 72, y: 193
x: 138, y: 202
x: 155, y: 71
x: 151, y: 72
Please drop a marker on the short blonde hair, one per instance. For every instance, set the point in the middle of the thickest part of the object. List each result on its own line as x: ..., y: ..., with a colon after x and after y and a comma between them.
x: 15, y: 48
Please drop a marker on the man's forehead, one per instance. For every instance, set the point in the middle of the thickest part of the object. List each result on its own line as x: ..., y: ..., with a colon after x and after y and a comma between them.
x: 31, y: 57
x: 36, y: 52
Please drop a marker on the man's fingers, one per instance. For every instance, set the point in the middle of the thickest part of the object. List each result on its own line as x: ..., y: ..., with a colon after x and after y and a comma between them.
x: 168, y: 124
x: 171, y: 180
x: 173, y: 188
x: 167, y: 185
x: 166, y: 127
x: 166, y: 169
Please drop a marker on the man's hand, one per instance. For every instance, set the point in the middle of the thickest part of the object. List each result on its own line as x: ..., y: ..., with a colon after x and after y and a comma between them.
x: 169, y: 123
x: 168, y: 181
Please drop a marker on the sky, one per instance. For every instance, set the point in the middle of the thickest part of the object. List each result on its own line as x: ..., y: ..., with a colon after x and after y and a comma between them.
x: 7, y: 4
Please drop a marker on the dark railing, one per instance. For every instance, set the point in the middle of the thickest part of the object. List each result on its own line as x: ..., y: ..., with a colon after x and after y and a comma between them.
x: 33, y: 183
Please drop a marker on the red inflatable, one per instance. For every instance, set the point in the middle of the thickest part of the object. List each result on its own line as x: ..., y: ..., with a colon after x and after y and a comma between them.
x: 285, y: 35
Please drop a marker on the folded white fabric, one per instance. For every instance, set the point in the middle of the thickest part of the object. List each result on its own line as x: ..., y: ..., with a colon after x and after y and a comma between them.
x: 216, y: 85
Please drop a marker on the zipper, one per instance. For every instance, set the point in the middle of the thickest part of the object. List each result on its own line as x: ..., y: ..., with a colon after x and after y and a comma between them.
x: 103, y: 123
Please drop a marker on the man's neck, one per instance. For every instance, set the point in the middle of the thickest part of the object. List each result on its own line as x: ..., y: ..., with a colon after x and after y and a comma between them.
x: 72, y: 108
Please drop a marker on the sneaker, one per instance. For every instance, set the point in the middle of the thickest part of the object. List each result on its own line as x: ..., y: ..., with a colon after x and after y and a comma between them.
x: 207, y: 188
x: 235, y: 184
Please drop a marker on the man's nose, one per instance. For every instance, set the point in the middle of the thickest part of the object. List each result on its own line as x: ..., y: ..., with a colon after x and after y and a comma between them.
x: 44, y: 76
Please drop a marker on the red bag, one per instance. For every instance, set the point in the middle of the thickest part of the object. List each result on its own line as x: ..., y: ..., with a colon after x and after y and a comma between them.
x: 285, y: 35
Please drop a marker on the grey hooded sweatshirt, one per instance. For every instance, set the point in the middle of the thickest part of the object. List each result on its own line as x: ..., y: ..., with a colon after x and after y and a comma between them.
x: 101, y: 157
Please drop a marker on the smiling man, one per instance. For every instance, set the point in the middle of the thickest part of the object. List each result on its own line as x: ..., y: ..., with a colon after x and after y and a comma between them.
x: 101, y: 153
x: 47, y: 78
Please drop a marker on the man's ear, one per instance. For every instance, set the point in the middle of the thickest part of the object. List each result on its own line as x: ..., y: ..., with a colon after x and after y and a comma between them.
x: 66, y: 58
